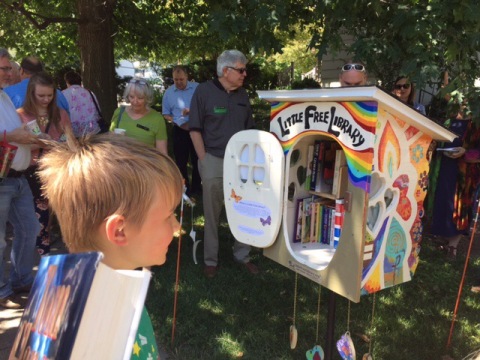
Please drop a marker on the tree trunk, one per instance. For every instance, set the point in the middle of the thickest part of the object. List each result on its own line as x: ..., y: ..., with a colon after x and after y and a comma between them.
x: 95, y: 39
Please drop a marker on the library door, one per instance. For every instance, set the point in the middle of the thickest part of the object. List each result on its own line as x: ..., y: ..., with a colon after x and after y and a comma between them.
x: 253, y: 183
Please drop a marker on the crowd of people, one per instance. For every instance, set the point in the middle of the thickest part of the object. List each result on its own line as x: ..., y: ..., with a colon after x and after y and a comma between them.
x: 130, y: 231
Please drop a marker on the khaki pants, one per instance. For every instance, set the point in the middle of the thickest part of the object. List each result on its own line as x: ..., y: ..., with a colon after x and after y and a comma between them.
x: 211, y: 172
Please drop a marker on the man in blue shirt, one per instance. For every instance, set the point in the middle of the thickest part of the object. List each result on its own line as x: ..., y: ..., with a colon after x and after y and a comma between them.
x: 17, y: 93
x: 175, y: 108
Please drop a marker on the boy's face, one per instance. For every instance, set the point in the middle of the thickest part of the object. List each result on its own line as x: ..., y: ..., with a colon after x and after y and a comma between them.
x: 148, y: 244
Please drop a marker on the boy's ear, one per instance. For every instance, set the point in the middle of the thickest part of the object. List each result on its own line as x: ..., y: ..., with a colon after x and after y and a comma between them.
x: 115, y: 230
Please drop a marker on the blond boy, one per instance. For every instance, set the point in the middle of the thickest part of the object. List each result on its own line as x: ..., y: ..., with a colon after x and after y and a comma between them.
x: 115, y: 195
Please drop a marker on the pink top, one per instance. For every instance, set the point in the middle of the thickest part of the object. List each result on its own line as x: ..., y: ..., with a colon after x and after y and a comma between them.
x: 54, y: 133
x: 83, y: 112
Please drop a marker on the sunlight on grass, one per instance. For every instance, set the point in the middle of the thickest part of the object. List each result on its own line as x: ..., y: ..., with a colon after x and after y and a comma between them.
x: 406, y: 323
x: 472, y: 303
x: 229, y: 345
x: 208, y: 306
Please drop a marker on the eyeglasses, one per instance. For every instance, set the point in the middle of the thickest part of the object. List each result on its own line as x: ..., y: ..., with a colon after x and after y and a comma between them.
x: 140, y: 82
x: 6, y: 68
x: 240, y: 71
x: 399, y: 86
x: 356, y: 67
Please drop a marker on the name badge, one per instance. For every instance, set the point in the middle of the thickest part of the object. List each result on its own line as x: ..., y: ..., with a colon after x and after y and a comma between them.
x: 219, y: 110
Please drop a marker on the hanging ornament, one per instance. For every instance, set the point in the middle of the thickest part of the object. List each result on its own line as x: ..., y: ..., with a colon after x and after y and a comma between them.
x: 345, y: 347
x: 317, y: 352
x: 345, y: 344
x: 293, y: 328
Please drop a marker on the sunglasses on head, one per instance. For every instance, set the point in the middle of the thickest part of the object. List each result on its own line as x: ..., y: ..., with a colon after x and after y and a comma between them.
x: 356, y: 67
x: 140, y: 82
x: 239, y: 70
x: 399, y: 86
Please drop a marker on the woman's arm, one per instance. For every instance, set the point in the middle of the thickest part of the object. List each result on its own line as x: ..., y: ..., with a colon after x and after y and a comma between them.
x: 161, y: 145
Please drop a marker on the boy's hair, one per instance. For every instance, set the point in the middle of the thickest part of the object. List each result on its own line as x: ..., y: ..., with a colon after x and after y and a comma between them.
x: 90, y: 179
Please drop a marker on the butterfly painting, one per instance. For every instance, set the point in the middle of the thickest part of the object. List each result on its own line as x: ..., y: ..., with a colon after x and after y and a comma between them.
x: 267, y: 221
x: 235, y: 196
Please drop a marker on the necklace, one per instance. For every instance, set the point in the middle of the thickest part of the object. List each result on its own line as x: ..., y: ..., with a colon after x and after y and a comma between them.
x: 43, y: 119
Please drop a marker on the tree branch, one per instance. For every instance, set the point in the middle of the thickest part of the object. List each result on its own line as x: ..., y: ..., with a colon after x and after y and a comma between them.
x: 19, y: 7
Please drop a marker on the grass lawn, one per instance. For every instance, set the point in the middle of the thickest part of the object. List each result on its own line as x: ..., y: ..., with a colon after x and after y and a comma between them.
x: 240, y: 316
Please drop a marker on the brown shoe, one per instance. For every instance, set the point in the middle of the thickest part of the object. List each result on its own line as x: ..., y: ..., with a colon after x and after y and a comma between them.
x: 210, y: 271
x: 12, y: 302
x: 251, y: 268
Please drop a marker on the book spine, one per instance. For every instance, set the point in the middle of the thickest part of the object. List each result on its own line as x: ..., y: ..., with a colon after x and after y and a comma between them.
x: 298, y: 222
x: 339, y: 213
x: 320, y: 223
x: 308, y: 177
x: 340, y: 161
x: 331, y: 232
x: 321, y: 155
x: 316, y: 150
x: 306, y: 219
x: 313, y: 218
x: 325, y: 225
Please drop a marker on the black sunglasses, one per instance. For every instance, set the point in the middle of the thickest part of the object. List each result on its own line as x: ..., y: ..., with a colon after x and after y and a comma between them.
x: 240, y: 70
x: 356, y: 67
x: 399, y: 86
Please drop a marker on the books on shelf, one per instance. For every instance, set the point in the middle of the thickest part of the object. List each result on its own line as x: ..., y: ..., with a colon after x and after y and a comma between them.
x: 79, y: 308
x: 315, y: 221
x: 325, y: 168
x: 329, y: 163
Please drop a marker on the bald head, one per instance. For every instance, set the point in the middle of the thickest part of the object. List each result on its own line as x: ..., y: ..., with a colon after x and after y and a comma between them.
x: 353, y: 74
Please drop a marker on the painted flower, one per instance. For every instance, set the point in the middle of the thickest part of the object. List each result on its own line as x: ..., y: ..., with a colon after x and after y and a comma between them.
x: 423, y: 180
x: 417, y: 153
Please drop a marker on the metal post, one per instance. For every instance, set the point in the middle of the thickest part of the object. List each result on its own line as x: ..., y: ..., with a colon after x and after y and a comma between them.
x: 329, y: 338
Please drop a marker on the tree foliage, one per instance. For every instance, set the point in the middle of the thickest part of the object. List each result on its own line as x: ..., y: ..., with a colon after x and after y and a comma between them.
x: 418, y: 38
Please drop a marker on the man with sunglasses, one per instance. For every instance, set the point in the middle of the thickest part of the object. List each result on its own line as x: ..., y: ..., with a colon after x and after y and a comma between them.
x: 219, y: 109
x: 353, y: 74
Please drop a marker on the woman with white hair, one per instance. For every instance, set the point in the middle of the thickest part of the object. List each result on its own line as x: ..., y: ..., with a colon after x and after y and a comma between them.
x: 139, y: 120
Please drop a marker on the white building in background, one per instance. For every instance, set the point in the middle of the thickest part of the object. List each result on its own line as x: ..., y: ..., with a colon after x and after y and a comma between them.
x: 129, y: 68
x: 125, y: 68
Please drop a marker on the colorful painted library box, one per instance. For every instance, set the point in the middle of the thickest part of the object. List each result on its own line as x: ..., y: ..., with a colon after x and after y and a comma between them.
x: 335, y: 190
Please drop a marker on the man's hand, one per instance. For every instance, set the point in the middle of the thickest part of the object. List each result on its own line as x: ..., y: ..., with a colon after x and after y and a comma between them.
x: 22, y: 135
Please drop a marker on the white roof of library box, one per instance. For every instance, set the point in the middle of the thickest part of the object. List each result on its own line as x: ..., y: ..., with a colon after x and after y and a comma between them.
x: 363, y: 93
